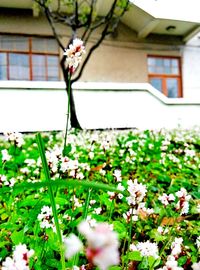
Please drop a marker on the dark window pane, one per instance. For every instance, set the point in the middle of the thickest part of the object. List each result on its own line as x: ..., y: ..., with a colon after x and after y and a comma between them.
x: 3, y: 66
x: 157, y: 83
x: 18, y: 66
x: 172, y: 87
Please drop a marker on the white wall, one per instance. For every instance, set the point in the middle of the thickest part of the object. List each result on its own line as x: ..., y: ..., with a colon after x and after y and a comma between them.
x: 34, y: 106
x: 191, y: 72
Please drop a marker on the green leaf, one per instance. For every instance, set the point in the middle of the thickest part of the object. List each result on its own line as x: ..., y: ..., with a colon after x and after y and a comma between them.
x: 182, y: 260
x: 120, y: 228
x: 4, y: 216
x: 67, y: 149
x: 17, y: 237
x: 135, y: 256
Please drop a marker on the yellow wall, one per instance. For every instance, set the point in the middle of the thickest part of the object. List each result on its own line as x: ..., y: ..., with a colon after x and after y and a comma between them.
x: 119, y: 59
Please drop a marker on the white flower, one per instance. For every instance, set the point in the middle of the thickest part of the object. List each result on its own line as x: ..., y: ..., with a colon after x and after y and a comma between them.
x: 5, y: 155
x: 74, y: 54
x: 15, y: 137
x: 161, y: 230
x: 176, y: 246
x: 73, y: 245
x: 20, y: 259
x: 183, y: 203
x: 117, y: 174
x: 102, y: 244
x: 137, y: 192
x: 97, y: 210
x: 166, y: 199
x: 196, y: 266
x: 148, y: 249
x: 198, y: 242
x: 171, y: 264
x: 46, y: 218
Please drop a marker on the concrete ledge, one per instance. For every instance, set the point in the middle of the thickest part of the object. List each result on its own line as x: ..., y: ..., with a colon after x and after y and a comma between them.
x: 97, y: 86
x: 37, y: 106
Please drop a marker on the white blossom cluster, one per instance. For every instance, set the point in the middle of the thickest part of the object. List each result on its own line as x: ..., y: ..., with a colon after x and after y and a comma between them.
x: 7, y: 182
x: 46, y: 218
x: 176, y: 249
x: 198, y: 243
x: 146, y: 249
x: 137, y: 192
x: 64, y: 165
x: 166, y: 199
x: 182, y: 204
x: 135, y: 212
x: 5, y: 155
x: 171, y: 264
x: 74, y: 54
x: 20, y: 259
x: 15, y: 137
x: 118, y: 177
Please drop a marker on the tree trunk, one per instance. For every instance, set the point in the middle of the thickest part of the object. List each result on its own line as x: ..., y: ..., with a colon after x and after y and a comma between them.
x: 73, y: 117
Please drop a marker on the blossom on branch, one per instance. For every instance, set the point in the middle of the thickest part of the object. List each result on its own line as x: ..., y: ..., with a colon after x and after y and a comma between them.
x: 74, y: 54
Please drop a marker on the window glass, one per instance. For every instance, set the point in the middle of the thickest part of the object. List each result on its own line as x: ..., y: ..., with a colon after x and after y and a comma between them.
x: 151, y: 61
x: 3, y: 66
x: 175, y: 70
x: 172, y: 87
x: 13, y: 43
x: 167, y: 70
x: 19, y: 66
x: 38, y: 67
x: 159, y: 62
x: 28, y: 58
x: 52, y: 66
x: 175, y: 62
x: 157, y: 83
x: 44, y: 45
x: 167, y: 62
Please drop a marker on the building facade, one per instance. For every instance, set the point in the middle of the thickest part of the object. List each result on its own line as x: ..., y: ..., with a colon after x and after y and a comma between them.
x: 144, y: 50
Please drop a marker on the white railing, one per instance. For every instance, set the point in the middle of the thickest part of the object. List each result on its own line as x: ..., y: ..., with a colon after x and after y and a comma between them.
x: 34, y: 106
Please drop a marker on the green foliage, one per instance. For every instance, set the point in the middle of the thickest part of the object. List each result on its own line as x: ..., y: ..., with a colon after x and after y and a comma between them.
x: 81, y: 182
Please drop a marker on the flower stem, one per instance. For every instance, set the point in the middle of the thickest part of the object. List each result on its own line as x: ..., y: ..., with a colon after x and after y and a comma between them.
x: 129, y: 238
x: 52, y: 199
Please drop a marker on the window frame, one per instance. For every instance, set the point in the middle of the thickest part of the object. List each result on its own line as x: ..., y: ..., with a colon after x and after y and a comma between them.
x: 30, y: 53
x: 165, y: 76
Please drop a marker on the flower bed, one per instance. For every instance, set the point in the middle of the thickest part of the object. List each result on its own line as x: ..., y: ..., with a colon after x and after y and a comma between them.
x: 117, y: 200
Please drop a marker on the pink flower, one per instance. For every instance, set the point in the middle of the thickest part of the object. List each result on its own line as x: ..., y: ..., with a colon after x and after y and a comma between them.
x: 102, y: 244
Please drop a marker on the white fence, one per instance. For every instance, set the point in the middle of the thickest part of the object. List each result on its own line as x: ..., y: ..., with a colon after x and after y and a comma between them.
x: 39, y: 106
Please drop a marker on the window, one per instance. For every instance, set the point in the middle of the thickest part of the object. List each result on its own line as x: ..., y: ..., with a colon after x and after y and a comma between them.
x: 165, y: 75
x: 28, y: 58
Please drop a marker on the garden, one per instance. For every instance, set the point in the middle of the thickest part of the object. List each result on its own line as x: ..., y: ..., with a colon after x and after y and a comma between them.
x: 113, y: 199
